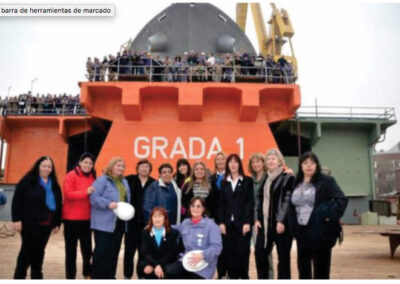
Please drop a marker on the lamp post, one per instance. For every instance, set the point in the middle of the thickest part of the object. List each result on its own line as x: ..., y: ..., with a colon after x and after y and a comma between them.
x: 9, y: 89
x: 33, y: 81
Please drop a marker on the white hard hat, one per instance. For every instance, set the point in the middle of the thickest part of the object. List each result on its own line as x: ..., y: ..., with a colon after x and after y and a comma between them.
x: 124, y: 211
x: 199, y: 266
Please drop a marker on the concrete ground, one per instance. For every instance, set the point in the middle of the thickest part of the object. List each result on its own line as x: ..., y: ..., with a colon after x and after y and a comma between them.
x: 361, y: 256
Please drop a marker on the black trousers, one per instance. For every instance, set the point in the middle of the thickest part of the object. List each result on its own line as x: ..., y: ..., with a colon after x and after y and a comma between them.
x: 222, y: 268
x: 311, y: 260
x: 133, y: 240
x: 238, y: 252
x: 34, y: 241
x: 177, y: 271
x: 261, y: 256
x: 74, y: 231
x: 105, y: 255
x: 263, y: 260
x: 283, y: 244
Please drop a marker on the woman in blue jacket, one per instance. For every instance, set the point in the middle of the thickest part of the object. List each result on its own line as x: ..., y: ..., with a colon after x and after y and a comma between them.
x: 110, y: 188
x: 198, y: 233
x: 317, y: 204
x: 163, y: 193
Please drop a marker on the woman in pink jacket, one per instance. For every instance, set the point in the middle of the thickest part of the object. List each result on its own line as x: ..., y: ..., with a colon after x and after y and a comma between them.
x: 76, y: 214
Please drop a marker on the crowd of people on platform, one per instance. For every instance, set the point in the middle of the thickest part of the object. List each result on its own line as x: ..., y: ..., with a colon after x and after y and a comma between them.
x: 188, y: 224
x: 190, y: 67
x: 49, y: 104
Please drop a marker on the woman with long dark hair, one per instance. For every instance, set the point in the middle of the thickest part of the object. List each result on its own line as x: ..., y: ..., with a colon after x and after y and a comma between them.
x: 159, y: 246
x: 317, y: 204
x: 77, y: 188
x: 236, y: 216
x: 182, y: 174
x: 36, y: 212
x: 199, y: 185
x: 271, y: 216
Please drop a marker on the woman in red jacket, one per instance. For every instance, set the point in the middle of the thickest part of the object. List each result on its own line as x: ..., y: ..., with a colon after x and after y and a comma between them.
x: 76, y: 214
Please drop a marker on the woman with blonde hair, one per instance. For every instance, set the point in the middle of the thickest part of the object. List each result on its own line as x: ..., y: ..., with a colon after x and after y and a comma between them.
x: 199, y: 185
x: 271, y: 216
x: 258, y: 170
x: 216, y: 183
x: 110, y: 189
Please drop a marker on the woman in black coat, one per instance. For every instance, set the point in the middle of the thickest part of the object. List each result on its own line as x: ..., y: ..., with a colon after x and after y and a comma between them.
x: 271, y: 215
x: 159, y: 247
x: 317, y: 204
x: 36, y: 212
x: 236, y: 216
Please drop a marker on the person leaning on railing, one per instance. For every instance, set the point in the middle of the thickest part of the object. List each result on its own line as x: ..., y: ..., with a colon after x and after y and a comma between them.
x: 190, y: 67
x: 26, y: 104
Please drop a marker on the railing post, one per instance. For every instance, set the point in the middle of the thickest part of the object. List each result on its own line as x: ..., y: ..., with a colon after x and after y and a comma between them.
x: 118, y: 69
x: 234, y: 71
x: 265, y: 74
x: 151, y: 67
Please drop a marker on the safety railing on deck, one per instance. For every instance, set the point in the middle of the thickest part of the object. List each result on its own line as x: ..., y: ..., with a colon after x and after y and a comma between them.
x: 76, y: 110
x: 196, y: 73
x: 379, y: 113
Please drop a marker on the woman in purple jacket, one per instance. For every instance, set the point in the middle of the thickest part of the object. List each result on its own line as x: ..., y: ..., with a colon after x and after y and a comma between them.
x: 110, y: 189
x: 198, y: 233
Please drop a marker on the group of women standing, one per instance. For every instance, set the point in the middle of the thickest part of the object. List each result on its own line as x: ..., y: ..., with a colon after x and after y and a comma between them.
x: 193, y: 219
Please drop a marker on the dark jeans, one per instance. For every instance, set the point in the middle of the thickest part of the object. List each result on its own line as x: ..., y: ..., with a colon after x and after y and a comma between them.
x: 74, y: 231
x: 34, y: 241
x: 318, y: 259
x: 177, y: 271
x: 238, y: 252
x: 132, y: 244
x: 105, y: 255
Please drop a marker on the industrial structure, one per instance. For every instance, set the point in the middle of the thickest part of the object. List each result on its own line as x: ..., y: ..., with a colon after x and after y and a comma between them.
x: 165, y: 121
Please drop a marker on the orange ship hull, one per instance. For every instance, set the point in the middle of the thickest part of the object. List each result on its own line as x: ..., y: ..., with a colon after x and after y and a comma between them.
x: 159, y: 121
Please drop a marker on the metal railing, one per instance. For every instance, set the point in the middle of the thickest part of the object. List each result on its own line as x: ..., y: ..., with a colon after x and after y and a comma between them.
x: 194, y: 73
x: 76, y: 110
x: 379, y: 113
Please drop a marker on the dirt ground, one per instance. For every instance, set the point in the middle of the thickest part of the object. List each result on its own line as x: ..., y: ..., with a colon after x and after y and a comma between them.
x: 361, y: 256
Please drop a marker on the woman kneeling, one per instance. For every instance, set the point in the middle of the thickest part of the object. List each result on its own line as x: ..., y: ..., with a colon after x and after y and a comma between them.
x: 159, y: 245
x: 201, y: 238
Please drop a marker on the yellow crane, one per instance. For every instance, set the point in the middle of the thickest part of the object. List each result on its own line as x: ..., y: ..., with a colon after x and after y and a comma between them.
x: 280, y: 30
